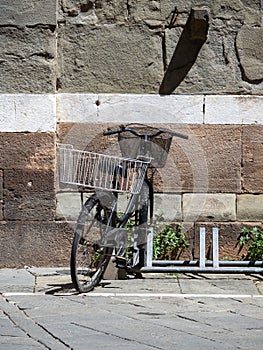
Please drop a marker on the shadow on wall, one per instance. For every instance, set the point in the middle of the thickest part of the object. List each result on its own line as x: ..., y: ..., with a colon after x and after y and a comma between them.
x: 191, y: 40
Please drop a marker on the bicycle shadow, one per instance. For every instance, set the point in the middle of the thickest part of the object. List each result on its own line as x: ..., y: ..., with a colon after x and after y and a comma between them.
x: 193, y: 37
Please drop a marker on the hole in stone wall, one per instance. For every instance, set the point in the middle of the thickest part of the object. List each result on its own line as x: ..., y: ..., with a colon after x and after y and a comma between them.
x: 86, y: 7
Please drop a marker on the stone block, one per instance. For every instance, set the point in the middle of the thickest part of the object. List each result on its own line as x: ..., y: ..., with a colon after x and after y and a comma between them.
x: 27, y: 12
x: 207, y: 72
x: 252, y: 159
x: 193, y: 165
x: 39, y: 244
x: 209, y: 207
x: 129, y: 108
x: 29, y: 195
x: 250, y: 207
x: 219, y: 157
x: 30, y: 113
x: 77, y: 108
x: 132, y: 63
x: 135, y: 108
x: 250, y: 51
x: 229, y: 233
x: 68, y: 206
x: 27, y: 57
x: 233, y: 109
x: 31, y: 151
x: 168, y: 207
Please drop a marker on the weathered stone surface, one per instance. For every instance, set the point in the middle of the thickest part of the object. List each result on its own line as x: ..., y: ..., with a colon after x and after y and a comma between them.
x: 209, y: 207
x: 221, y: 147
x: 94, y: 12
x: 31, y: 151
x: 216, y: 68
x: 229, y: 233
x: 29, y: 195
x: 252, y: 159
x: 237, y: 11
x: 27, y: 57
x: 28, y: 12
x: 131, y: 63
x: 250, y: 207
x: 39, y: 244
x: 250, y: 50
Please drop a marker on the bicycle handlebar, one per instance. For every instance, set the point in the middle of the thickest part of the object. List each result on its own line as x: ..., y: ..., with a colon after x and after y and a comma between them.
x: 123, y: 128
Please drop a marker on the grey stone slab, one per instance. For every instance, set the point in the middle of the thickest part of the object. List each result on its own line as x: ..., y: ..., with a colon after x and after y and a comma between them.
x: 16, y: 280
x: 134, y: 59
x: 30, y: 327
x: 27, y: 58
x: 146, y: 322
x: 215, y: 285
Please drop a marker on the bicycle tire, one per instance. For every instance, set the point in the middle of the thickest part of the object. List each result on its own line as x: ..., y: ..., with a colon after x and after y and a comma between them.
x: 89, y: 260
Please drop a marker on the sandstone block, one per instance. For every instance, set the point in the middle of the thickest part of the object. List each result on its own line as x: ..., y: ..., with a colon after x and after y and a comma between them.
x: 252, y: 159
x: 131, y: 63
x: 209, y: 207
x: 31, y: 151
x: 250, y: 51
x: 27, y: 58
x: 28, y: 12
x: 220, y: 156
x: 250, y: 207
x: 33, y: 113
x: 29, y: 195
x: 193, y: 165
x: 39, y: 244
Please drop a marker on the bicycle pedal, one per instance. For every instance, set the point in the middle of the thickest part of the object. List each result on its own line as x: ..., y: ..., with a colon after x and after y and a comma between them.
x: 121, y: 262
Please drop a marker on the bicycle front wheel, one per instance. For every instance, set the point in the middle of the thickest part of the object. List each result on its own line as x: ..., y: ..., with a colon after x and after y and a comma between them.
x: 89, y: 258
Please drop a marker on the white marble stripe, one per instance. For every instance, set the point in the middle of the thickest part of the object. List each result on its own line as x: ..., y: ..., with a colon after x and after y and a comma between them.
x: 130, y: 108
x: 27, y: 112
x: 40, y: 112
x: 233, y: 109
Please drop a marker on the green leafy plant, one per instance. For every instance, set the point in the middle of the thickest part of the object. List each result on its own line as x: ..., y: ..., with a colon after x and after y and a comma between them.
x: 252, y: 239
x: 169, y: 242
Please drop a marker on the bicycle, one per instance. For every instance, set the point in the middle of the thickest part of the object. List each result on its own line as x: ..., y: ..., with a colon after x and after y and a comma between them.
x: 101, y: 230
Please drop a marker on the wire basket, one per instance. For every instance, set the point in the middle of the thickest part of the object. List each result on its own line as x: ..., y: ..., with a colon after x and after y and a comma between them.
x: 156, y: 148
x: 100, y: 171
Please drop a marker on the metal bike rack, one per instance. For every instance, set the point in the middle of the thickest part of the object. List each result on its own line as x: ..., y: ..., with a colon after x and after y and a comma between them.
x: 202, y: 265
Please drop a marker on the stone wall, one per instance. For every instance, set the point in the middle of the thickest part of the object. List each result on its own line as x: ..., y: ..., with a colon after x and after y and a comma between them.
x: 71, y: 68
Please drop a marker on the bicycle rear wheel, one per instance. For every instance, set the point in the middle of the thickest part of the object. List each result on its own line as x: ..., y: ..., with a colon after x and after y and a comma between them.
x: 89, y: 258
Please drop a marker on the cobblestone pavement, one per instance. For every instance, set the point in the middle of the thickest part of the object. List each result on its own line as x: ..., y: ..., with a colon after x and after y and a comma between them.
x: 39, y: 309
